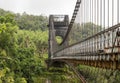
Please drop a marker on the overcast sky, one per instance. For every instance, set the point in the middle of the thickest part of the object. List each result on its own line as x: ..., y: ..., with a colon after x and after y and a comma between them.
x: 38, y: 7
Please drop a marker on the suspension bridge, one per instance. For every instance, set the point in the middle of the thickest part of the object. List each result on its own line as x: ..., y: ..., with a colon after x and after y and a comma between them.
x: 92, y: 37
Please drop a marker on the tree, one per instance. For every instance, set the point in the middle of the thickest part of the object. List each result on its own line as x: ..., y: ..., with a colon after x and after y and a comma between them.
x: 83, y: 31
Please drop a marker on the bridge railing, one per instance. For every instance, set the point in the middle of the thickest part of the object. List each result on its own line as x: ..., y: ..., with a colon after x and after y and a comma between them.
x: 93, y: 35
x: 93, y: 17
x: 92, y: 32
x: 97, y: 22
x: 94, y: 45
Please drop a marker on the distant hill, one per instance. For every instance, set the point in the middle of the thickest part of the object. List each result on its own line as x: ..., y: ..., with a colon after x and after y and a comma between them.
x: 28, y: 22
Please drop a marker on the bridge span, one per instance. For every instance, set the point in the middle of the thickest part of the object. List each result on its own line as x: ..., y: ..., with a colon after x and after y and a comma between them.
x: 92, y: 37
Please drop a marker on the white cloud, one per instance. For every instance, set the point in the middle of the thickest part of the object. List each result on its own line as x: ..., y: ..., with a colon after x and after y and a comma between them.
x: 39, y: 6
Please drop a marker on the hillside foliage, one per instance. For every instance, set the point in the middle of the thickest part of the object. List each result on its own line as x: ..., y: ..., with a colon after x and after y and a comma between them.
x: 24, y: 49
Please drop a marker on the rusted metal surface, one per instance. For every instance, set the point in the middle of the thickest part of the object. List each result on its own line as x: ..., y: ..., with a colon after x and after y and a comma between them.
x: 91, y: 38
x: 96, y: 35
x: 100, y: 47
x: 105, y: 64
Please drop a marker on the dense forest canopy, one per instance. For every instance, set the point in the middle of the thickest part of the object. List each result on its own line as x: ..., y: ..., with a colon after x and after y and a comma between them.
x: 24, y: 49
x: 28, y: 22
x: 19, y: 51
x: 31, y: 22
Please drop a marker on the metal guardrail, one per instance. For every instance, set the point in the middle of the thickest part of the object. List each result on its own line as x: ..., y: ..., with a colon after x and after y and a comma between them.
x: 101, y: 47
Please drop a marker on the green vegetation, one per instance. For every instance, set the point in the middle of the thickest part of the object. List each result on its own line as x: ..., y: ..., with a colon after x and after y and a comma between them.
x: 83, y: 31
x: 98, y: 75
x: 59, y: 39
x: 24, y: 49
x: 31, y: 22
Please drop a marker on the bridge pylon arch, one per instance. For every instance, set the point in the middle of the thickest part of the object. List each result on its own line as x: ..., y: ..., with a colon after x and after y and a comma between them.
x: 58, y: 26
